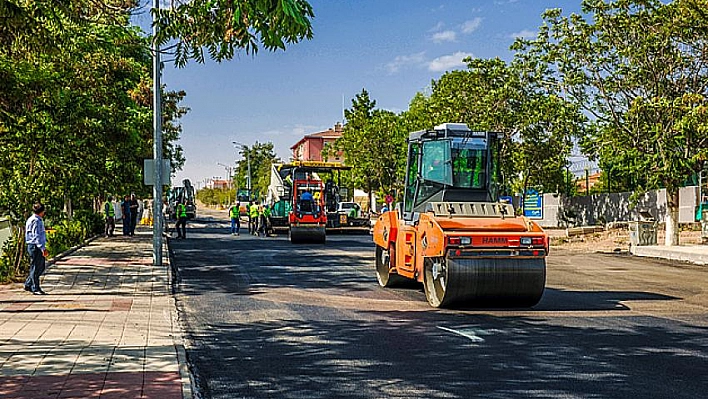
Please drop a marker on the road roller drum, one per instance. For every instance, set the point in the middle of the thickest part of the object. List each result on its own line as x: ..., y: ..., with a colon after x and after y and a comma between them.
x: 508, y: 282
x: 309, y: 234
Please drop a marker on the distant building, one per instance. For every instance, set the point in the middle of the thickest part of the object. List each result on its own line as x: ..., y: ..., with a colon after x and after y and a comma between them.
x: 592, y: 180
x: 219, y: 184
x: 310, y: 147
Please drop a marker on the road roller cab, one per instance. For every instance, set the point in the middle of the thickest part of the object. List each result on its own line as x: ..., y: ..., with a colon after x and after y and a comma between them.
x: 451, y: 233
x: 307, y: 218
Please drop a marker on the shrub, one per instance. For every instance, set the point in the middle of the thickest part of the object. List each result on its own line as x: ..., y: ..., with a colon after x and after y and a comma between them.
x: 64, y: 235
x: 91, y: 221
x: 10, y: 266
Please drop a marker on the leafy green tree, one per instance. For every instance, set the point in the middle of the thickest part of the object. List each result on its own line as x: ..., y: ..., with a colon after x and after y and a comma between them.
x: 223, y: 27
x: 638, y: 67
x: 535, y: 124
x: 74, y: 123
x: 373, y: 144
x: 261, y: 156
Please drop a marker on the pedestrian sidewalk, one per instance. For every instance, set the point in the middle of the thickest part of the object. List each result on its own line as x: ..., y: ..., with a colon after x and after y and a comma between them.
x: 105, y: 329
x: 697, y: 254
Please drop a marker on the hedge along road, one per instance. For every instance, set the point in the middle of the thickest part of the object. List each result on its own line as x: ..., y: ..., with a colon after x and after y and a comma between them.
x: 268, y: 319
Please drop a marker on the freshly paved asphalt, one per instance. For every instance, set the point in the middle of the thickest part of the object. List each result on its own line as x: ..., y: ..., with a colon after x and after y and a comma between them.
x: 268, y: 319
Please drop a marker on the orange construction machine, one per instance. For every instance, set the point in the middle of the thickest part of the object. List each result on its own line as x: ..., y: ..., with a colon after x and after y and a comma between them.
x: 308, y: 218
x: 451, y: 233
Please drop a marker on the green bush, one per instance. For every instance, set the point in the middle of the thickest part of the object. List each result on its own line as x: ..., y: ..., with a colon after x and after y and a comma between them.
x: 10, y: 251
x: 64, y: 235
x: 92, y: 222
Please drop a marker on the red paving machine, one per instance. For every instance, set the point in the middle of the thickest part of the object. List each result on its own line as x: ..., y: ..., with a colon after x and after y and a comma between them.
x: 308, y: 217
x: 342, y: 215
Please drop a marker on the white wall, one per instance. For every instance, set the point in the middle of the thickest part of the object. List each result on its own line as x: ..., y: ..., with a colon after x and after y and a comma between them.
x: 617, y: 207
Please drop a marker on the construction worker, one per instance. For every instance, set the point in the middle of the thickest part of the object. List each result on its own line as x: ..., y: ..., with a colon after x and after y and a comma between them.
x: 181, y: 212
x: 261, y: 230
x: 110, y: 213
x: 253, y: 219
x: 306, y: 196
x: 266, y: 218
x: 235, y: 218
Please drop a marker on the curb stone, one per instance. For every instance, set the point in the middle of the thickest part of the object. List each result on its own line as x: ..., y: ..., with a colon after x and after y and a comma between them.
x: 188, y: 391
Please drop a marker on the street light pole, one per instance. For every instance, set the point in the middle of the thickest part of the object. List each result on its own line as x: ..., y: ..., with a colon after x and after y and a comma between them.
x: 157, y: 144
x: 248, y: 161
x: 228, y: 170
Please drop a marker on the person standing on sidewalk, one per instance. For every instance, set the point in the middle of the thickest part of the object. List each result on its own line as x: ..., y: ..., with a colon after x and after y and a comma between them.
x: 181, y: 211
x: 36, y: 239
x: 125, y: 209
x: 133, y: 213
x: 110, y: 216
x: 235, y: 219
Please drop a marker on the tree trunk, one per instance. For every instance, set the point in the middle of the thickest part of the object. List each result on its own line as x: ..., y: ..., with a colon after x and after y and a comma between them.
x: 68, y: 208
x: 672, y: 213
x: 371, y: 196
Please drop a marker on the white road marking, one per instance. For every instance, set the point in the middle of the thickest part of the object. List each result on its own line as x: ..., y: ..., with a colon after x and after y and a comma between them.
x: 467, y: 334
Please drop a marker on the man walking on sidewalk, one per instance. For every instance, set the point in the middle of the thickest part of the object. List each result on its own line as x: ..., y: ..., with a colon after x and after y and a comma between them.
x: 36, y: 239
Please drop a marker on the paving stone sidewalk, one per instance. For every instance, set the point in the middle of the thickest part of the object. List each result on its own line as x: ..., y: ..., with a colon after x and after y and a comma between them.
x: 105, y: 329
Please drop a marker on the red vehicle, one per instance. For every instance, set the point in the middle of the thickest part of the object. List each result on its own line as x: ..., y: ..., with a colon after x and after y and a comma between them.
x: 308, y: 217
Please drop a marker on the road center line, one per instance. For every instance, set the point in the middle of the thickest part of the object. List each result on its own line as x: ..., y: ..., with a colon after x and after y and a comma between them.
x: 471, y: 336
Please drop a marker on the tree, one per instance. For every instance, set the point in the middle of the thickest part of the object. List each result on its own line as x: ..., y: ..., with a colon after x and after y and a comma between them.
x: 73, y: 121
x: 638, y: 67
x: 261, y: 157
x: 373, y: 144
x: 535, y: 124
x: 224, y: 26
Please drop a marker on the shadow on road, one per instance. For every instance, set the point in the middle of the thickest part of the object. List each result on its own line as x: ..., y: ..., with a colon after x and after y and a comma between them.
x: 414, y: 355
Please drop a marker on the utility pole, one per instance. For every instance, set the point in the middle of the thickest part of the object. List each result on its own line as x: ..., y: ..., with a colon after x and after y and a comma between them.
x: 157, y: 143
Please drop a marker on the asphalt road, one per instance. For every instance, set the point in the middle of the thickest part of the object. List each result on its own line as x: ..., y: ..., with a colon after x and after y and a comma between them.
x: 268, y: 319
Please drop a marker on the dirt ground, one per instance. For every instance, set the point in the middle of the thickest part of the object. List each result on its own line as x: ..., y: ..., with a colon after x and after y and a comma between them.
x: 613, y: 239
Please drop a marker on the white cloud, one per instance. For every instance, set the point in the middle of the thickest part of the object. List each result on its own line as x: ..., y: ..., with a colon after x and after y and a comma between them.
x: 404, y: 61
x: 448, y: 62
x: 437, y: 27
x: 444, y: 36
x: 524, y: 34
x: 471, y: 25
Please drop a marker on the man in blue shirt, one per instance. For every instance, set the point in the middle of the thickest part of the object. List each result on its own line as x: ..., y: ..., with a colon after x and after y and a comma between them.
x: 306, y: 196
x: 36, y: 239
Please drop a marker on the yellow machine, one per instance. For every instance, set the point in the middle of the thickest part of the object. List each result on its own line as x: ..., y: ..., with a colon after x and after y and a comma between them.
x: 451, y: 234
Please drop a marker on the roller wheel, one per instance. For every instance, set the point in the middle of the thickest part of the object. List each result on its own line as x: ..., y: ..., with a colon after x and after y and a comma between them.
x: 293, y: 238
x: 502, y: 282
x: 298, y: 236
x: 435, y: 282
x: 383, y: 273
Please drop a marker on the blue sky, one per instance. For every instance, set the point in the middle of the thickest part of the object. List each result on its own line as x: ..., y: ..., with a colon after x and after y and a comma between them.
x: 393, y: 48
